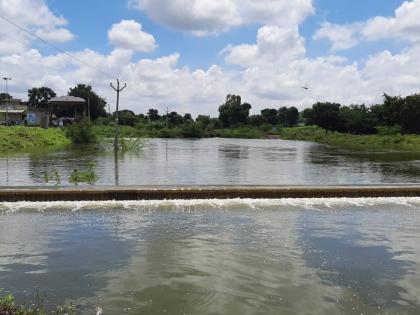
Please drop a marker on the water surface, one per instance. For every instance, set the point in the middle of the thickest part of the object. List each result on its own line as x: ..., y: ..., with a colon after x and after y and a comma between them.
x: 319, y: 256
x: 217, y: 162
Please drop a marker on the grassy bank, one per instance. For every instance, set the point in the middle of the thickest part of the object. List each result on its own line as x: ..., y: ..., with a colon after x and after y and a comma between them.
x: 363, y: 142
x: 245, y: 132
x: 22, y: 138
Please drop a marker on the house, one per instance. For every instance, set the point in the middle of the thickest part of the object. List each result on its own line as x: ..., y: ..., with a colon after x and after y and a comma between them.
x: 13, y: 111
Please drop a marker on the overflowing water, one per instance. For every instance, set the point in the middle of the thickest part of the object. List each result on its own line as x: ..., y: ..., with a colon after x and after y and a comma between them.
x: 216, y: 161
x: 289, y: 256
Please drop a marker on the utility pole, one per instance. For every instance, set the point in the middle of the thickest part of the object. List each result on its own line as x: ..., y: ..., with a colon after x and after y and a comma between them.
x: 167, y: 116
x: 7, y: 97
x: 117, y: 89
x: 88, y: 104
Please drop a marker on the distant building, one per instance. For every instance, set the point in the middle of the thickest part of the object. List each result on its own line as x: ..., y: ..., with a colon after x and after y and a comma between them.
x: 14, y: 109
x: 37, y: 117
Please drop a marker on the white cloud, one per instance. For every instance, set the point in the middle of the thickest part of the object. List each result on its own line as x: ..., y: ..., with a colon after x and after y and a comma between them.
x: 274, y: 45
x: 404, y: 25
x: 128, y: 34
x: 33, y: 15
x: 342, y: 37
x: 209, y: 17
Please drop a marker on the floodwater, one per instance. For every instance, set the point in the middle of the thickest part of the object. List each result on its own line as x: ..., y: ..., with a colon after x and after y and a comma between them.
x: 318, y: 256
x: 216, y: 162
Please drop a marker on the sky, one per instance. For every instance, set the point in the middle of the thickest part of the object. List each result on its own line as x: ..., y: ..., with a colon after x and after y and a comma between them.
x: 187, y: 55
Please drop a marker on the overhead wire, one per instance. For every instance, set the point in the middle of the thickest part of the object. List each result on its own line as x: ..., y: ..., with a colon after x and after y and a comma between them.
x: 53, y: 46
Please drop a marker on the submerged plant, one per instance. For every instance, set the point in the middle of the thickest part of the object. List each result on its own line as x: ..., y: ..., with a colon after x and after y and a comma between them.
x: 52, y: 176
x: 131, y: 144
x: 87, y: 176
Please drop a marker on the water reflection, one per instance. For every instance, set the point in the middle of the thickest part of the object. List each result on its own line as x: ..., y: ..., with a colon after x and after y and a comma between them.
x: 322, y: 258
x: 217, y: 161
x: 359, y: 260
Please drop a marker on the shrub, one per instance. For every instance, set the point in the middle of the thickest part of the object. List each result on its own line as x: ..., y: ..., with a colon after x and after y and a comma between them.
x: 192, y: 130
x: 81, y: 132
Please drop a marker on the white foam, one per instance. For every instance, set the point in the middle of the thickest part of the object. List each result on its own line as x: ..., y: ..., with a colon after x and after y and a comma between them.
x: 208, y: 204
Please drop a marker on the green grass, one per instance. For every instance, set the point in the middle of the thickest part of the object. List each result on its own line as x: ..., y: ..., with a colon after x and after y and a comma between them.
x: 21, y: 138
x: 143, y: 131
x: 363, y: 142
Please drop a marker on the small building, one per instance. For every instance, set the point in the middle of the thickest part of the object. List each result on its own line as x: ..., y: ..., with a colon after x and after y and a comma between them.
x: 37, y: 117
x: 13, y: 110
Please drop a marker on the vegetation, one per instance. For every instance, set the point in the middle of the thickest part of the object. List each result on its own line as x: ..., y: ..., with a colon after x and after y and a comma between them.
x: 8, y: 306
x: 81, y: 132
x: 39, y: 97
x: 87, y: 176
x: 23, y: 138
x: 372, y: 142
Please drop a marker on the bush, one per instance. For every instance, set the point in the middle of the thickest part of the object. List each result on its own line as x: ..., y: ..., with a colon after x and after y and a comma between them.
x: 81, y: 132
x: 192, y: 130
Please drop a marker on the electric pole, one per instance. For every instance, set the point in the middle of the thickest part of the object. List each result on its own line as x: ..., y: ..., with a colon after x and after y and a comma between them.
x: 88, y: 104
x: 7, y: 97
x: 117, y: 89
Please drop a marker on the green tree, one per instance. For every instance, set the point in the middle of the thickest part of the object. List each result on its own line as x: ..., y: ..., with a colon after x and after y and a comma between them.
x: 233, y: 112
x: 270, y: 115
x: 127, y: 118
x: 153, y: 114
x: 97, y: 103
x: 5, y: 97
x: 307, y: 115
x: 410, y: 114
x: 204, y: 120
x: 327, y: 116
x: 357, y: 119
x: 39, y: 97
x: 256, y: 120
x: 292, y: 116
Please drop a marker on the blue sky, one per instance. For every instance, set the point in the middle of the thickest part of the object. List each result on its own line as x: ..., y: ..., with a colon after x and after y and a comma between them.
x: 188, y: 54
x: 91, y: 23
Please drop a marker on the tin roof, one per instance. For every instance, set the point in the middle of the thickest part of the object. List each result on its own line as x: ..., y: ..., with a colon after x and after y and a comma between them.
x: 67, y: 99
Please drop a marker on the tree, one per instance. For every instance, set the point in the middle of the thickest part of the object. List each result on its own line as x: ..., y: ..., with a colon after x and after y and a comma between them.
x: 153, y: 114
x: 270, y: 115
x: 357, y: 119
x: 127, y: 118
x: 410, y: 114
x: 5, y: 97
x: 256, y: 120
x: 204, y: 120
x: 326, y: 115
x: 307, y: 115
x: 292, y: 116
x: 174, y: 119
x: 233, y: 112
x: 39, y: 97
x: 97, y: 103
x: 188, y: 117
x: 392, y: 108
x: 282, y: 116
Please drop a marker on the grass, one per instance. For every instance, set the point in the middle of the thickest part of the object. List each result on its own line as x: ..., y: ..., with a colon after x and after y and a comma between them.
x: 142, y: 131
x: 21, y: 138
x: 362, y: 142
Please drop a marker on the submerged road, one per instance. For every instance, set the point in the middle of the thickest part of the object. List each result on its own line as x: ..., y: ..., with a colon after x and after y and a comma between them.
x: 202, y: 192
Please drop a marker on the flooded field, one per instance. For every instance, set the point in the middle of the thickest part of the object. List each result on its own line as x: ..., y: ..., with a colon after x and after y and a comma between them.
x: 216, y: 162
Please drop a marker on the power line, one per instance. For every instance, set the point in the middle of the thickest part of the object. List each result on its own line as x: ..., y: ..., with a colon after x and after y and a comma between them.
x: 52, y: 45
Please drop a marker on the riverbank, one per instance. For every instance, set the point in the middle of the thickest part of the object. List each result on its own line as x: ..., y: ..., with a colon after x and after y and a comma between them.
x: 360, y: 142
x: 17, y: 138
x: 193, y: 131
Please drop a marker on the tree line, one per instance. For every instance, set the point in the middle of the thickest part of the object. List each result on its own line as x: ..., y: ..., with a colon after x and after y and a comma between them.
x: 396, y: 113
